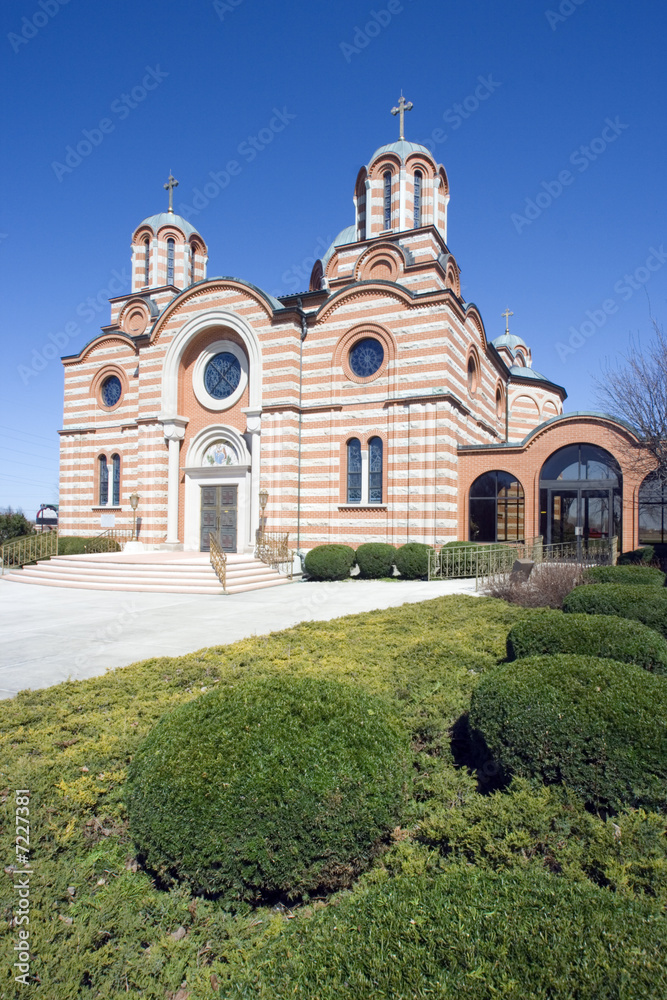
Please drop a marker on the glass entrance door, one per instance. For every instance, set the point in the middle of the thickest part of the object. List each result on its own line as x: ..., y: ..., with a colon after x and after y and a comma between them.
x: 596, y: 513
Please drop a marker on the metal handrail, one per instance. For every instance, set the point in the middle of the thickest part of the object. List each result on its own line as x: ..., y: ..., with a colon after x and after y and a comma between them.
x: 29, y: 548
x: 218, y: 561
x: 108, y: 541
x: 274, y: 550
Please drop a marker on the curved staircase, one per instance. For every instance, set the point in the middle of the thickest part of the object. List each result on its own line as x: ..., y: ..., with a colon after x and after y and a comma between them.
x: 156, y: 572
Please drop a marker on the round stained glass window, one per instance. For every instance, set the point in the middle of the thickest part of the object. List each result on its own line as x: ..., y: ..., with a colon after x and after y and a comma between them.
x: 111, y: 390
x: 222, y: 375
x: 366, y: 357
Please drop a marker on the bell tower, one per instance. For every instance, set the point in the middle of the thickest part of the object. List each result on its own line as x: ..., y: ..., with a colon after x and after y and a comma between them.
x: 167, y: 251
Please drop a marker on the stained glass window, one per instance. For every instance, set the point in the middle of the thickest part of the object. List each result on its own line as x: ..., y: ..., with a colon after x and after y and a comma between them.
x: 115, y: 483
x: 366, y: 357
x: 354, y: 471
x: 111, y: 390
x: 375, y: 470
x: 104, y: 480
x: 170, y: 260
x: 387, y: 200
x: 418, y: 199
x: 222, y: 375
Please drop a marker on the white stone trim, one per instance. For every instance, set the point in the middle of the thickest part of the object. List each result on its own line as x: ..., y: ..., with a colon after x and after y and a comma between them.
x: 211, y: 318
x: 199, y: 369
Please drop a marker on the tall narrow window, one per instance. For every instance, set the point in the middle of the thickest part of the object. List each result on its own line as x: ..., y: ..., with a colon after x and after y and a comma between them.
x: 147, y: 262
x: 170, y: 260
x: 115, y: 480
x: 418, y: 199
x: 375, y: 470
x: 354, y: 471
x: 103, y: 480
x: 387, y: 200
x: 193, y: 251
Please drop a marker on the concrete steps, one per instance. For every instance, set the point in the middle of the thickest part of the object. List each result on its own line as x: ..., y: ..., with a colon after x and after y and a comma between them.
x: 155, y: 572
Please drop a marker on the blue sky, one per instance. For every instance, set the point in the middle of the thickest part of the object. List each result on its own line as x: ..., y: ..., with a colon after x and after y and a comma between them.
x: 549, y: 119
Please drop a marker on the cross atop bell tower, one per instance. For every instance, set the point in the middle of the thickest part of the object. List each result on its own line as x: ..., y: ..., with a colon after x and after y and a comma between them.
x: 403, y: 106
x: 169, y: 186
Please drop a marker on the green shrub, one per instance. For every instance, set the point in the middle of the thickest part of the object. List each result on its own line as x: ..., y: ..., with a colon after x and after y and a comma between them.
x: 647, y: 605
x: 412, y: 560
x: 276, y: 785
x: 607, y: 636
x: 645, y: 555
x: 597, y: 725
x: 330, y: 562
x: 638, y: 575
x: 464, y: 934
x: 375, y: 560
x: 72, y: 545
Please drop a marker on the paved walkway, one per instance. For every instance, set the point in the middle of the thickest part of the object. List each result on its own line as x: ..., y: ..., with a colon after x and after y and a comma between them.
x: 48, y: 635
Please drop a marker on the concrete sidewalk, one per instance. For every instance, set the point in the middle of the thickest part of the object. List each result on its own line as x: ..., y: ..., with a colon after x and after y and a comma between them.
x: 48, y: 635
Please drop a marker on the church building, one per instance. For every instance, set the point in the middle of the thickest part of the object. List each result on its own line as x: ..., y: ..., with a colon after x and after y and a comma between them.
x: 372, y: 406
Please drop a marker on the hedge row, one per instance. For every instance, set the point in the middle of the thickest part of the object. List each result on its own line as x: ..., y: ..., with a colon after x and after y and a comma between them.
x: 375, y: 560
x: 279, y: 785
x: 647, y: 605
x: 606, y: 636
x: 595, y: 724
x: 644, y: 555
x: 626, y: 574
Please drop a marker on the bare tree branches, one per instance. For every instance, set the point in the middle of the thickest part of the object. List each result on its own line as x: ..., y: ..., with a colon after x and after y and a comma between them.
x: 636, y: 392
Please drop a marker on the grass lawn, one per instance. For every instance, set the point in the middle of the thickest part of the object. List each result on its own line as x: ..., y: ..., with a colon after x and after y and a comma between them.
x: 100, y: 928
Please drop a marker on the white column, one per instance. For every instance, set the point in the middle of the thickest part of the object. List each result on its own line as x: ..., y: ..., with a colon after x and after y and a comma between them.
x: 254, y: 423
x: 174, y: 432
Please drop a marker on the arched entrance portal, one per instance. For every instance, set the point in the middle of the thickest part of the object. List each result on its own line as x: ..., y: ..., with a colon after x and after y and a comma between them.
x: 580, y: 495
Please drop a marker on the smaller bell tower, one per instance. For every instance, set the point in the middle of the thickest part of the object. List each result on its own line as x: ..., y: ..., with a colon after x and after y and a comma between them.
x: 167, y: 251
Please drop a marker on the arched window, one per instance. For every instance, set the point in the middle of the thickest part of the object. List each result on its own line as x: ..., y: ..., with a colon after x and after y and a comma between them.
x: 375, y: 470
x: 171, y: 243
x: 580, y: 495
x: 354, y: 471
x: 387, y: 199
x: 473, y: 374
x: 115, y: 481
x: 418, y: 199
x: 147, y: 262
x: 193, y: 252
x: 653, y: 511
x: 496, y: 508
x: 103, y: 481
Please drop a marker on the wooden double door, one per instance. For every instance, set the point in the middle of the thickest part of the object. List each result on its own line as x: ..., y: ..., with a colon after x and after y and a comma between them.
x: 219, y: 517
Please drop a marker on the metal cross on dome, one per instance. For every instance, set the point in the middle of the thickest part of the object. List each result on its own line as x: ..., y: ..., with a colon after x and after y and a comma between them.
x: 403, y: 106
x: 507, y: 315
x: 169, y: 186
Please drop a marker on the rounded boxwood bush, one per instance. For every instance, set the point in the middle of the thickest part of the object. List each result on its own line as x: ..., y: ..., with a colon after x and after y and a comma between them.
x: 639, y: 575
x: 597, y: 725
x: 647, y: 605
x: 375, y: 560
x: 275, y: 785
x: 412, y: 560
x: 464, y: 934
x: 330, y: 562
x: 588, y: 635
x: 643, y: 555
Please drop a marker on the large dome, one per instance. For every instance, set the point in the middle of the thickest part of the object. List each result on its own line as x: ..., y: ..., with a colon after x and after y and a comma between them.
x: 403, y: 148
x: 169, y: 219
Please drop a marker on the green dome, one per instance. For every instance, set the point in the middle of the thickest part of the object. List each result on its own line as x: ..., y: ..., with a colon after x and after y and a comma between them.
x: 169, y: 219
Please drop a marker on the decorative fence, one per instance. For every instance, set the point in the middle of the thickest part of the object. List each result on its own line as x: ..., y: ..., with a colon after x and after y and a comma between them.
x: 218, y: 561
x: 29, y: 549
x: 484, y: 562
x: 274, y: 550
x: 110, y: 540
